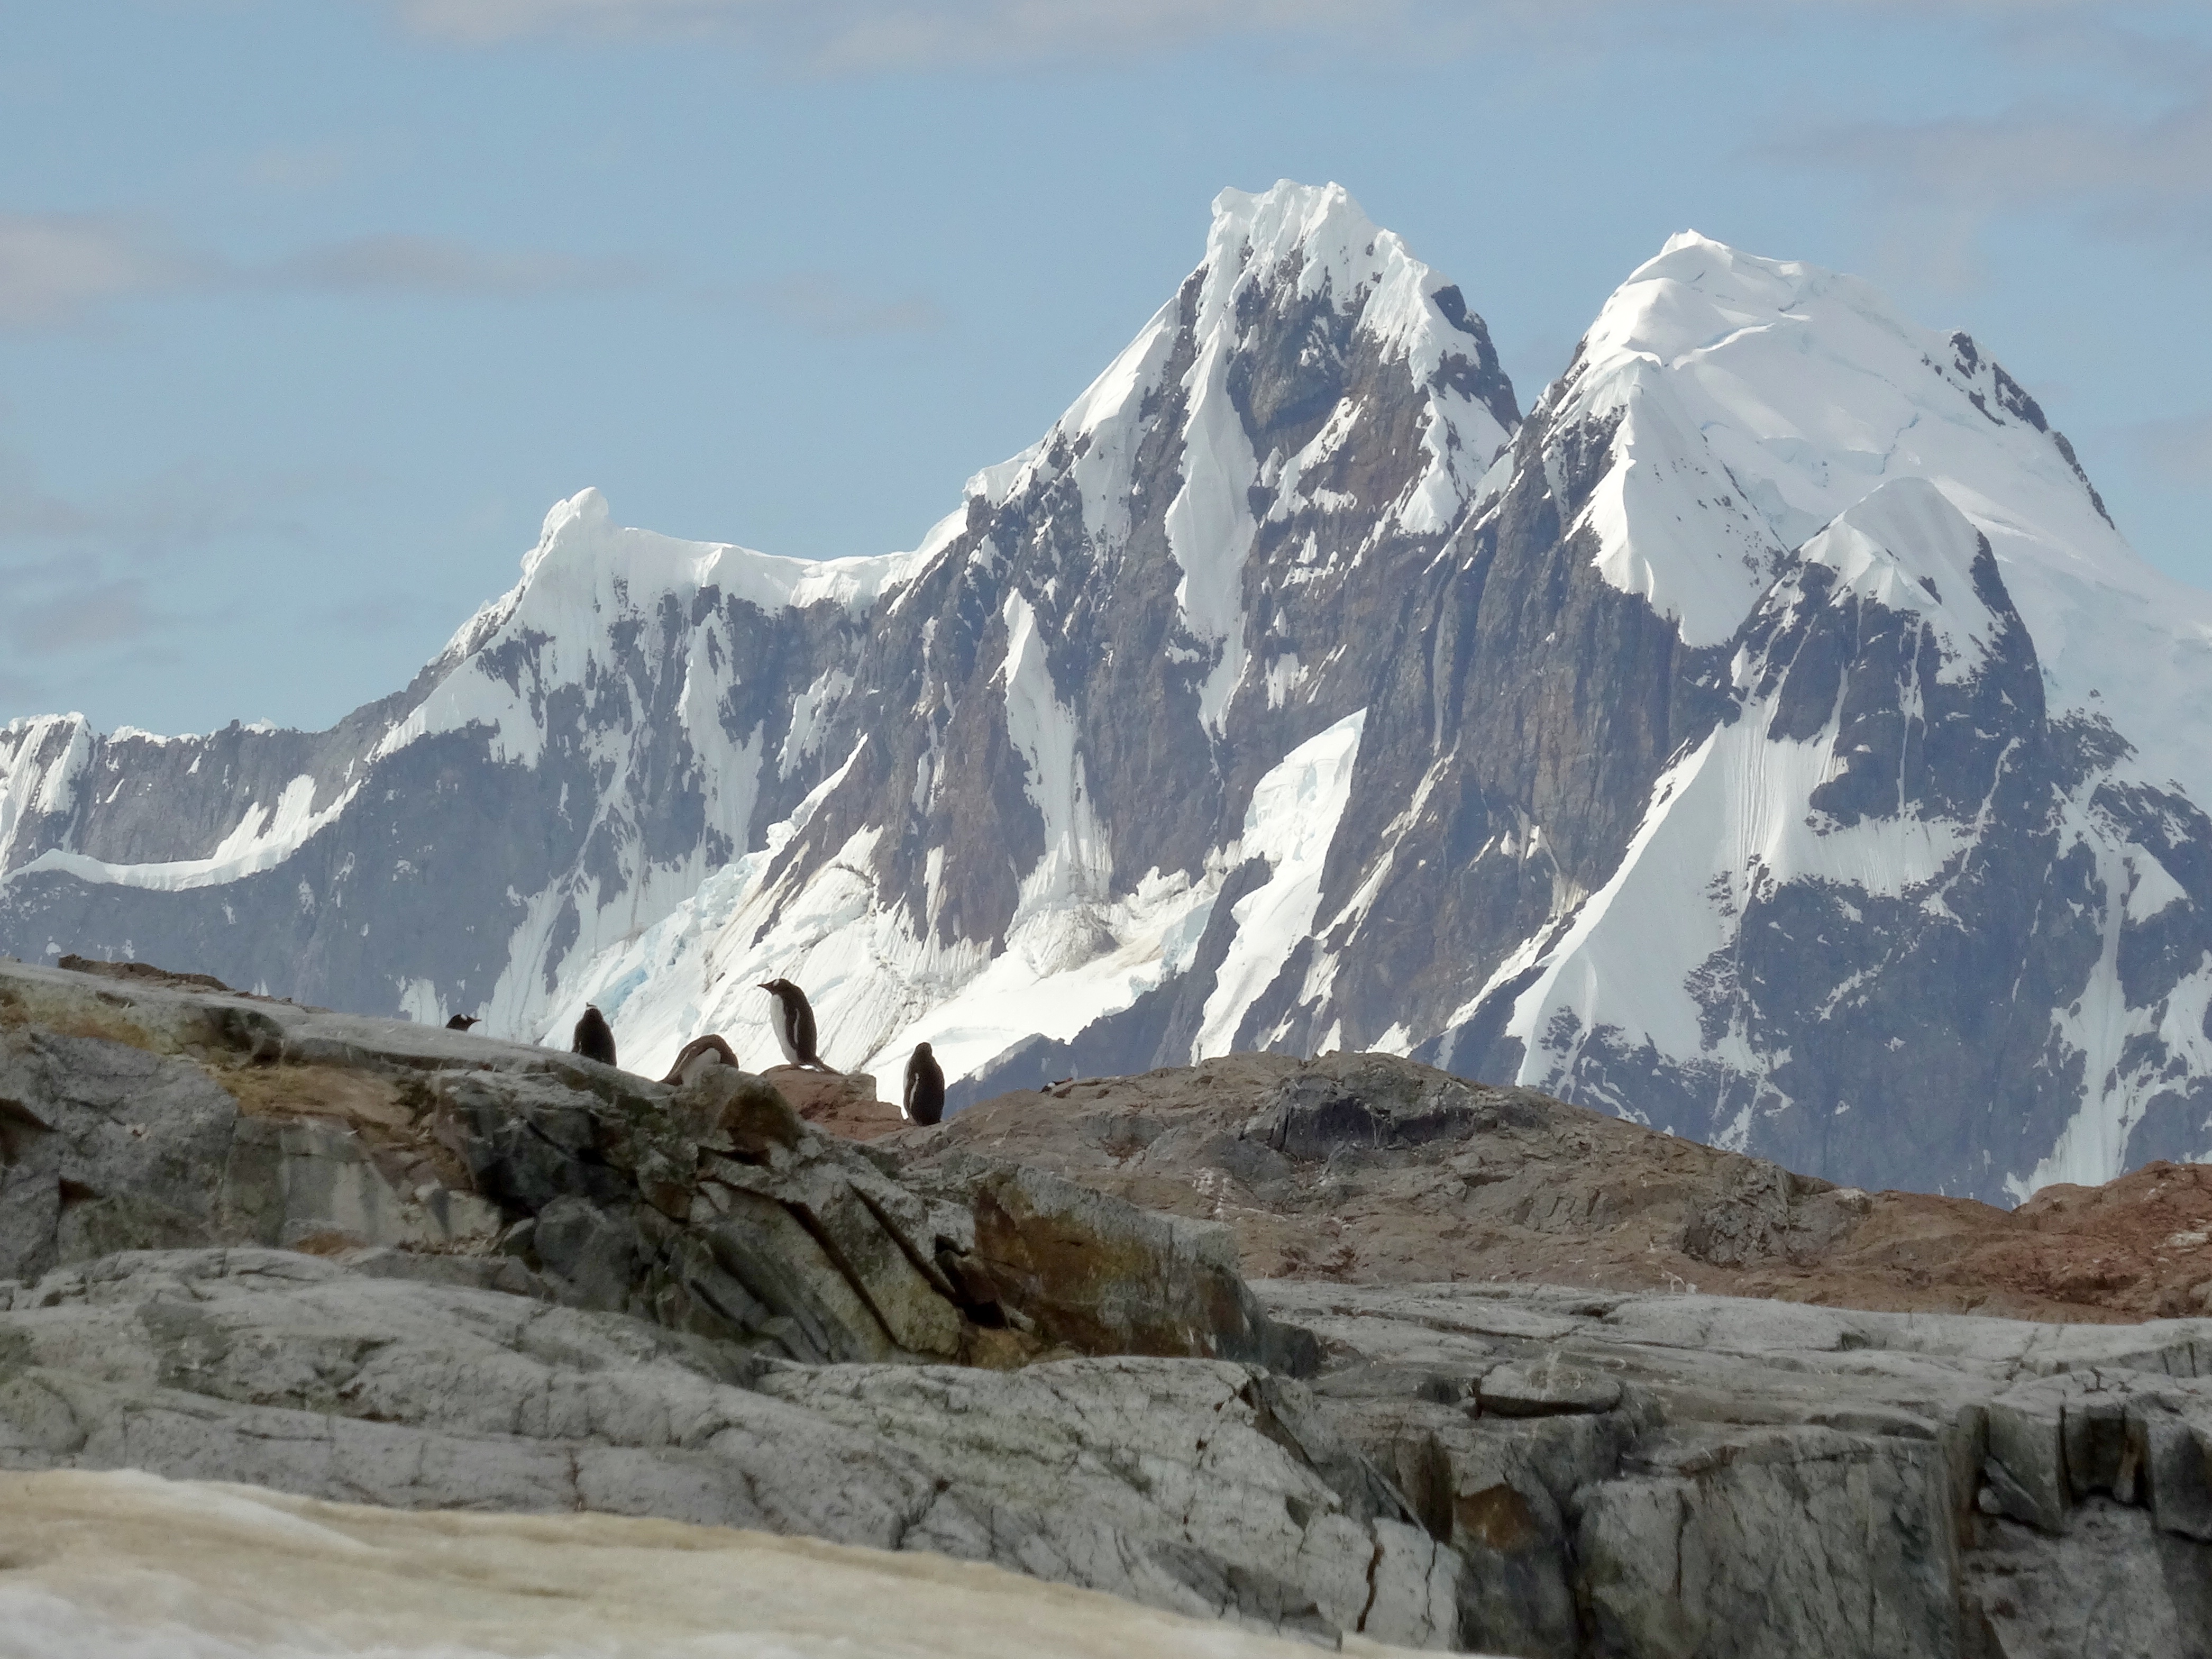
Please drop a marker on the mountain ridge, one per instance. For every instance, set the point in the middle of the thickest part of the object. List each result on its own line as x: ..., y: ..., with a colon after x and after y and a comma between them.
x: 1295, y: 692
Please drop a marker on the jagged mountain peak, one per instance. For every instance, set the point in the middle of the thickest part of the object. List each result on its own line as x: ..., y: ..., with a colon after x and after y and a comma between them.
x: 1310, y: 407
x: 1725, y: 407
x: 1770, y: 737
x: 1402, y: 303
x: 1293, y: 279
x: 1806, y: 388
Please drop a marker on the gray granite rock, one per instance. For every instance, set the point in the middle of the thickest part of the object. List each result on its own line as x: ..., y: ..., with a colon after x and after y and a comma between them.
x: 521, y: 1280
x: 1184, y: 1484
x: 145, y: 1116
x: 1769, y: 1480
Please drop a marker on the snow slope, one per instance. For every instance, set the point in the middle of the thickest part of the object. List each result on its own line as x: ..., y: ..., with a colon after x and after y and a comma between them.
x: 1073, y: 955
x: 1758, y: 399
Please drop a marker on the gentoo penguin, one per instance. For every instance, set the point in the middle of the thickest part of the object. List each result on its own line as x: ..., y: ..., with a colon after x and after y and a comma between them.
x: 794, y: 1025
x: 461, y: 1021
x: 594, y: 1040
x: 924, y: 1101
x: 700, y: 1054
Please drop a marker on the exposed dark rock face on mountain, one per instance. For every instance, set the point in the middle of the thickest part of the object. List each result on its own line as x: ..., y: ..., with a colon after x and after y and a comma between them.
x: 1954, y: 1004
x: 1769, y: 738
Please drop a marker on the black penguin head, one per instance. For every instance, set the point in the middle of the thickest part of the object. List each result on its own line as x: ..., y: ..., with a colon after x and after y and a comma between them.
x: 921, y: 1051
x: 782, y: 988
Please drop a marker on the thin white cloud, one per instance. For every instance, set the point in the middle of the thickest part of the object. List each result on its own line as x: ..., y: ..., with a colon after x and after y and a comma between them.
x: 902, y: 27
x: 298, y: 170
x: 178, y: 509
x: 85, y: 575
x: 395, y: 264
x: 68, y: 615
x: 821, y: 305
x: 61, y: 270
x: 29, y: 512
x: 862, y: 35
x: 76, y: 611
x: 56, y: 268
x: 2126, y: 155
x: 379, y: 613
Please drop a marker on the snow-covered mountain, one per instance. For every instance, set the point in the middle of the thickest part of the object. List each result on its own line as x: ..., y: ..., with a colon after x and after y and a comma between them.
x: 1927, y: 903
x: 1769, y: 738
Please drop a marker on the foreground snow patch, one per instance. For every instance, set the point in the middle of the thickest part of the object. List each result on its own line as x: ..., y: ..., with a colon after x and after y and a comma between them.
x: 128, y: 1566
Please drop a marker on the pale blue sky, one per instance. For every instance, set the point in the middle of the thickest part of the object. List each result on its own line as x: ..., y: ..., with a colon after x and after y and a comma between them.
x: 309, y: 310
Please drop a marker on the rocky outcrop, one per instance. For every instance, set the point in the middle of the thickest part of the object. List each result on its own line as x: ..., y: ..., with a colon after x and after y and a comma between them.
x: 1363, y: 1168
x: 1512, y: 1469
x: 841, y: 1104
x: 1680, y: 1475
x: 1199, y: 1486
x: 520, y: 1280
x: 159, y: 1118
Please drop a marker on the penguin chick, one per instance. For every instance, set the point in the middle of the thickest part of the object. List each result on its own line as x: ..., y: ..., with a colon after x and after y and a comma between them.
x: 794, y: 1025
x: 924, y: 1101
x: 462, y: 1022
x: 594, y: 1039
x: 700, y: 1054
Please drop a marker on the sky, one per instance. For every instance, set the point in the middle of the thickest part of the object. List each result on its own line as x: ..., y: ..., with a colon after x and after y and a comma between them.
x: 309, y: 309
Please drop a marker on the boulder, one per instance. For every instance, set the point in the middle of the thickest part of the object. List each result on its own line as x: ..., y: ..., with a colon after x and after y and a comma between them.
x: 841, y: 1104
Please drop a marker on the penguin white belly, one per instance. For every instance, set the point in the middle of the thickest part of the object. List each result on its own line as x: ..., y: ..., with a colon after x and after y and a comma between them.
x: 783, y: 1022
x: 698, y: 1064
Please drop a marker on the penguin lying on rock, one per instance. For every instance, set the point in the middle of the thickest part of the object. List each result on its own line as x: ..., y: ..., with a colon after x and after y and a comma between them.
x: 462, y: 1022
x: 700, y: 1054
x: 594, y: 1038
x: 924, y: 1101
x: 794, y: 1025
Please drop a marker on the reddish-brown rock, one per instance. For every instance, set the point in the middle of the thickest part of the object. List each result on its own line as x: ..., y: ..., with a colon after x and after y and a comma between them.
x: 1366, y: 1169
x: 841, y: 1104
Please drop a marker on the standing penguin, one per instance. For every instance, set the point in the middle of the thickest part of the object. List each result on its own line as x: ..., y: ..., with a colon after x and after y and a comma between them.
x: 461, y: 1021
x: 594, y: 1039
x: 794, y: 1025
x: 924, y: 1101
